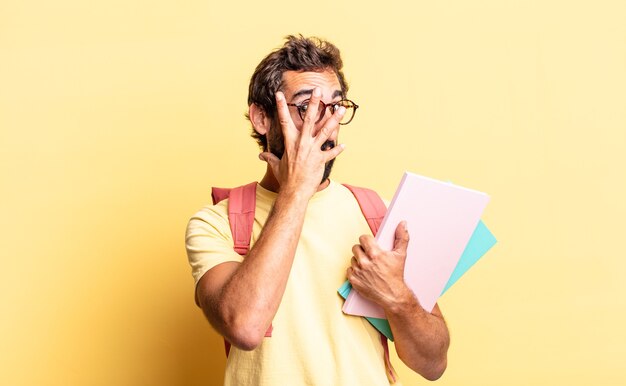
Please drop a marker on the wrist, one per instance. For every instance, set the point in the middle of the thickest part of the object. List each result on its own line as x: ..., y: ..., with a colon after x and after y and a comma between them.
x: 404, y: 300
x: 292, y: 199
x: 295, y: 193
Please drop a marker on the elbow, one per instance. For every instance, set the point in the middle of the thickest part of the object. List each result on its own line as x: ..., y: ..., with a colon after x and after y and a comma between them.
x: 436, y: 370
x: 246, y: 339
x: 431, y: 368
x: 243, y: 331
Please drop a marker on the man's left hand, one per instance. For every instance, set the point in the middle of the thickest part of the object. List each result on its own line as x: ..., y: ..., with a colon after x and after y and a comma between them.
x: 376, y: 274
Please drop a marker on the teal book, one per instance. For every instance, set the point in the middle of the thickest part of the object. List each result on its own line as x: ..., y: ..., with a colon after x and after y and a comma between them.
x: 381, y: 325
x: 481, y: 241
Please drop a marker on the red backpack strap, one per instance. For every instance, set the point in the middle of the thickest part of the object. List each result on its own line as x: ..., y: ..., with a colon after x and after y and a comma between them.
x: 371, y: 204
x: 219, y: 194
x: 241, y: 208
x: 374, y: 210
x: 391, y: 372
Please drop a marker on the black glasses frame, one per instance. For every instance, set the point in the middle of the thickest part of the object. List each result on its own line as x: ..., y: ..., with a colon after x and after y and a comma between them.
x: 302, y: 108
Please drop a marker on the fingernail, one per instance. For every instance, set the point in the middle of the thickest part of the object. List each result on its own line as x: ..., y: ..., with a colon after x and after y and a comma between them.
x: 317, y: 92
x: 279, y: 96
x: 342, y: 110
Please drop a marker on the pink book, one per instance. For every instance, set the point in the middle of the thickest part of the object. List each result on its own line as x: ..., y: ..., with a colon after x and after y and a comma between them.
x: 440, y: 218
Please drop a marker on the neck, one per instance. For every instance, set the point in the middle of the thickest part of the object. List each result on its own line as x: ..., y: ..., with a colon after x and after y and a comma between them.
x: 270, y: 182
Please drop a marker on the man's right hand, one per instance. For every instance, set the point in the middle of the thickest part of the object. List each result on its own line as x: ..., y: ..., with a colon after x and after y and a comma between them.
x: 302, y: 166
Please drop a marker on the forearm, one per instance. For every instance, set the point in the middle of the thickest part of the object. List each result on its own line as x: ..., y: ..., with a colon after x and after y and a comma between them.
x: 248, y: 300
x: 421, y: 338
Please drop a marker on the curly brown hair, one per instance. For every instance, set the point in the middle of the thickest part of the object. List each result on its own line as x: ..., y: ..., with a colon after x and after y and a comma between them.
x: 299, y: 53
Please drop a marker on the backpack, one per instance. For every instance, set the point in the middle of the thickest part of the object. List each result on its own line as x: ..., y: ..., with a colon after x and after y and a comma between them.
x: 241, y: 209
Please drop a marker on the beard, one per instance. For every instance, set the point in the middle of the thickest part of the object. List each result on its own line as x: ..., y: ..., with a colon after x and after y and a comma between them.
x: 329, y: 165
x: 277, y: 147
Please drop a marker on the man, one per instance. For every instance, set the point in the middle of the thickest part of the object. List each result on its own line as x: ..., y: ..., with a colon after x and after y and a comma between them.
x: 303, y: 247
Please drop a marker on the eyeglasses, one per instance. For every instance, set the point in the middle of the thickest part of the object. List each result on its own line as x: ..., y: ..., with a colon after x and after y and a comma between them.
x: 347, y: 117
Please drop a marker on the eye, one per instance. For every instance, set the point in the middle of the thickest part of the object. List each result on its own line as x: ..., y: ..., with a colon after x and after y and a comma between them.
x: 303, y: 106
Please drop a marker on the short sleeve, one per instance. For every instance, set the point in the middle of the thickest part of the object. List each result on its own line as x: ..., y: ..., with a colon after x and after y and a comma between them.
x: 209, y: 241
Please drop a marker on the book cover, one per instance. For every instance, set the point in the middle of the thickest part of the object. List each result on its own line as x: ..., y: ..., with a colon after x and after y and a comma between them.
x: 441, y: 219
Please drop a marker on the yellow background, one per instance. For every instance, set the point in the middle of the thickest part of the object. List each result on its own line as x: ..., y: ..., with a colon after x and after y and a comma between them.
x: 117, y: 117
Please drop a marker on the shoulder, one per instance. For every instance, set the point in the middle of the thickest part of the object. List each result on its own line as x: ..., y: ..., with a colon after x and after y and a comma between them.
x: 210, y: 219
x: 208, y: 239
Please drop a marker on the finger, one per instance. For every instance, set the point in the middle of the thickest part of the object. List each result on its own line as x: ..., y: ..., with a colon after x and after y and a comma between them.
x: 358, y: 254
x: 333, y: 122
x: 325, y: 133
x: 369, y: 245
x: 284, y: 118
x: 310, y: 117
x: 272, y: 160
x: 351, y: 276
x: 401, y: 241
x: 334, y: 152
x: 354, y: 262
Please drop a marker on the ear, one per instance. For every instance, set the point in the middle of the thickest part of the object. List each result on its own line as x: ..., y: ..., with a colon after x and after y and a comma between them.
x: 260, y: 121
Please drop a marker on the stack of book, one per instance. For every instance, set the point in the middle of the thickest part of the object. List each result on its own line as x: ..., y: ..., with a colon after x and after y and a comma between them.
x: 447, y: 238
